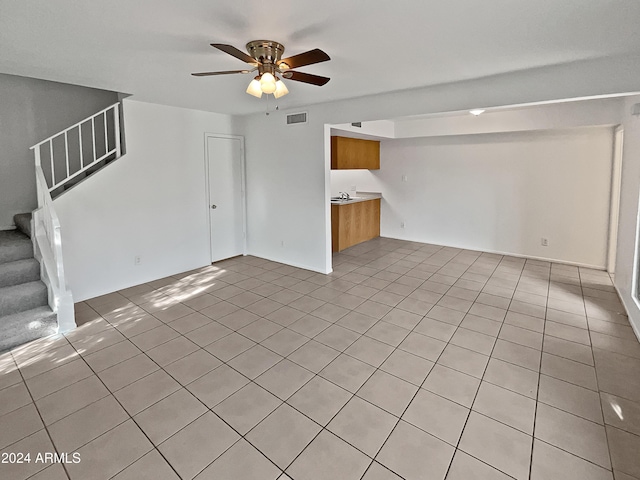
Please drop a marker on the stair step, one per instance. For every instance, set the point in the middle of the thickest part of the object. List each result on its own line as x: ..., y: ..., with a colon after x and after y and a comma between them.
x: 23, y: 223
x: 23, y: 297
x: 20, y: 271
x: 25, y: 326
x: 14, y: 245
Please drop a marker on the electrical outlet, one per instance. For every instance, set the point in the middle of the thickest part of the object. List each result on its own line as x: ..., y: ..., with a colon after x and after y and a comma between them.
x: 137, y: 260
x: 404, y: 178
x: 353, y: 188
x: 401, y: 224
x: 544, y: 242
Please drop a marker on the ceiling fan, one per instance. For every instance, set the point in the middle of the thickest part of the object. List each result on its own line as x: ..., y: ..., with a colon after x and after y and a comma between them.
x: 265, y: 56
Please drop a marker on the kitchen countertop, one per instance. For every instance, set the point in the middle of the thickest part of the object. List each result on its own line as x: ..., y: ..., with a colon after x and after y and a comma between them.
x: 360, y: 197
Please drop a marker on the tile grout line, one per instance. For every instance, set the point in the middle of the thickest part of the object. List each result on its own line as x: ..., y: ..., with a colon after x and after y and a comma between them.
x: 595, y: 371
x: 46, y: 429
x: 538, y: 372
x: 418, y: 390
x: 341, y: 408
x: 476, y: 393
x: 161, y: 368
x: 333, y: 323
x: 323, y: 428
x: 468, y: 266
x: 535, y: 410
x: 130, y: 418
x: 423, y: 317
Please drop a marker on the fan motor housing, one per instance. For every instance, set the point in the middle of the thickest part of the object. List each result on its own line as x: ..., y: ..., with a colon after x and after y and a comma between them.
x: 265, y: 51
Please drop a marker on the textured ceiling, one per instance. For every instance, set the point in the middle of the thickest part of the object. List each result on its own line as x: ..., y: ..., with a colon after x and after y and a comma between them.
x: 148, y: 48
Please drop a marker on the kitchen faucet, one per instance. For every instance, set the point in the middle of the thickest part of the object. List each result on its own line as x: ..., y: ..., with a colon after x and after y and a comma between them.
x: 344, y: 195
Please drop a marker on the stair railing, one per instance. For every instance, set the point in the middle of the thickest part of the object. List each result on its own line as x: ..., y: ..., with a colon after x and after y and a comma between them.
x: 47, y: 243
x: 99, y: 132
x: 48, y: 250
x: 46, y: 226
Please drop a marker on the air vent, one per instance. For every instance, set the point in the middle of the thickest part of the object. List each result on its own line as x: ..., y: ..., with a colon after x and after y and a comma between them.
x: 297, y: 118
x: 357, y: 124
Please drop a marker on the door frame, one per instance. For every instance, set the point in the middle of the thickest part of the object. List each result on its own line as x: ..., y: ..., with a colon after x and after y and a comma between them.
x: 243, y: 186
x: 614, y: 209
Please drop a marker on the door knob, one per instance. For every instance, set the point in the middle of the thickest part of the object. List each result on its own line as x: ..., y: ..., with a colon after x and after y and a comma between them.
x: 214, y: 206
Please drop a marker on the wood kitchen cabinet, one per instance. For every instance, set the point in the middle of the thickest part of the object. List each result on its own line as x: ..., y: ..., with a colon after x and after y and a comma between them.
x: 352, y: 153
x: 353, y: 223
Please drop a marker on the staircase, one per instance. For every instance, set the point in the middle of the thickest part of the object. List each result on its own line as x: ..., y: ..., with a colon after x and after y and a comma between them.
x: 35, y: 300
x: 24, y: 311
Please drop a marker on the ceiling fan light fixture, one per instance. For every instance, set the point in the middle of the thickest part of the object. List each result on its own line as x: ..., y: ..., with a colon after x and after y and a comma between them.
x: 281, y: 89
x: 254, y: 88
x: 268, y: 83
x: 265, y: 56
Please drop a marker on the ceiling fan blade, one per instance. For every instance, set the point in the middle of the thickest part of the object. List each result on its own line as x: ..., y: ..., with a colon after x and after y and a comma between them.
x: 208, y: 74
x: 306, y: 78
x: 234, y: 52
x: 307, y: 58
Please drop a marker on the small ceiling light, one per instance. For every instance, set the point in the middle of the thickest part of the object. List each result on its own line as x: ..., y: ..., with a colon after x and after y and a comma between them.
x: 476, y: 111
x: 281, y: 89
x: 254, y: 88
x: 268, y: 83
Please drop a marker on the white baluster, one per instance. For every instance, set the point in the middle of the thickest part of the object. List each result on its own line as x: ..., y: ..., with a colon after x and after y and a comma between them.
x: 106, y: 137
x: 53, y: 175
x: 93, y: 137
x: 80, y: 145
x: 66, y: 151
x: 116, y: 120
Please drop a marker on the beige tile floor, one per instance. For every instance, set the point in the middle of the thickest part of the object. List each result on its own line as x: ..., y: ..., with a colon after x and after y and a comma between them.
x: 409, y: 361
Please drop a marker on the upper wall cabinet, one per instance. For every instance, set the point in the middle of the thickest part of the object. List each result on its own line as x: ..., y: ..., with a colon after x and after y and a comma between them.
x: 349, y: 153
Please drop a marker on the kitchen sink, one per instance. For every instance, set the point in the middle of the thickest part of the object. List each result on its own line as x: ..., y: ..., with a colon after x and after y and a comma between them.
x: 340, y: 200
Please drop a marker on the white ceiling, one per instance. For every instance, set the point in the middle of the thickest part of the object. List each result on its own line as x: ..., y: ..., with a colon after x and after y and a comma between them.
x: 149, y: 47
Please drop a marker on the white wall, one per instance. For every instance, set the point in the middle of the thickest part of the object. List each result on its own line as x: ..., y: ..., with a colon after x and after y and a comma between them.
x: 151, y: 203
x: 287, y: 168
x: 30, y: 111
x: 565, y: 115
x: 502, y: 192
x: 377, y: 128
x: 627, y: 259
x: 604, y: 111
x: 363, y: 180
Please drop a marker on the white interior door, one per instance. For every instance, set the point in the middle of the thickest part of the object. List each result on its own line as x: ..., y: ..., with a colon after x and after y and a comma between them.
x: 225, y: 171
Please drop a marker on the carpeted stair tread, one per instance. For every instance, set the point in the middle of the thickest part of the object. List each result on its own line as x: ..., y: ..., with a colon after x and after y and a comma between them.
x: 20, y: 271
x: 14, y: 245
x: 25, y: 326
x: 19, y: 298
x: 23, y: 223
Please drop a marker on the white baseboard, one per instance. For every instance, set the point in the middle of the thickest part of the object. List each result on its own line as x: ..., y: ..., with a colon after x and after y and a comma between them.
x: 509, y: 254
x: 291, y: 264
x: 634, y: 326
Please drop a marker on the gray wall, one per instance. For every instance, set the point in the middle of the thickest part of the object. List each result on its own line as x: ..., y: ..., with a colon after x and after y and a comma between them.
x: 30, y: 111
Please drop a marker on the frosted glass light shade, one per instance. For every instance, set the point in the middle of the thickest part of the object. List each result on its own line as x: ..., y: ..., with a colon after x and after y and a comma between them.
x: 254, y: 88
x: 281, y: 89
x: 268, y: 83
